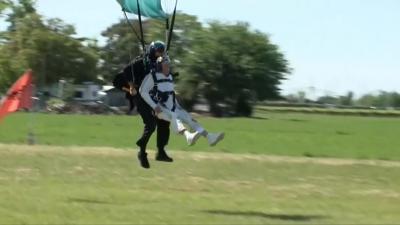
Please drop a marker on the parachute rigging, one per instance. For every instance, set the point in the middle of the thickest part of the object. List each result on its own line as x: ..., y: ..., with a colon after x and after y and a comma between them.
x: 169, y: 38
x: 148, y: 8
x: 151, y: 9
x: 140, y: 24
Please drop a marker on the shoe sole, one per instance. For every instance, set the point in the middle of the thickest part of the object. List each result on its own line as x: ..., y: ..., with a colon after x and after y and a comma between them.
x: 195, y: 138
x: 143, y: 164
x: 220, y: 138
x: 162, y: 160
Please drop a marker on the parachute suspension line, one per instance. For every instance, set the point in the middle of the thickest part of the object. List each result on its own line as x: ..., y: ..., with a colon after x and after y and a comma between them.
x: 131, y: 65
x: 131, y: 25
x: 129, y: 22
x: 137, y: 36
x: 166, y: 29
x: 141, y: 27
x: 171, y: 28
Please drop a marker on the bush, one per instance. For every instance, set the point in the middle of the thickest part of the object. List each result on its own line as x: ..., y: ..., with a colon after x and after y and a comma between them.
x: 55, y: 104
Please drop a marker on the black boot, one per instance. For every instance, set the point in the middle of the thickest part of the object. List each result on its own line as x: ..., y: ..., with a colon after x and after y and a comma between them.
x: 162, y: 156
x: 144, y: 162
x: 142, y: 155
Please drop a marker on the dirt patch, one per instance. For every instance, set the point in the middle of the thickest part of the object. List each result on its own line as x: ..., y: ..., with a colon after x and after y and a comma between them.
x: 289, y: 159
x: 70, y: 150
x: 377, y: 192
x: 24, y: 171
x: 196, y: 156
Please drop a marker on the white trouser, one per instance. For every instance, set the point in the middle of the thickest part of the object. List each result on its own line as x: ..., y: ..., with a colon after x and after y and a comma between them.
x: 177, y: 119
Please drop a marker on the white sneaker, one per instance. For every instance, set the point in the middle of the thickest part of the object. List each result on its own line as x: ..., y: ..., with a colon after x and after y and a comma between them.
x: 213, y: 139
x: 191, y: 138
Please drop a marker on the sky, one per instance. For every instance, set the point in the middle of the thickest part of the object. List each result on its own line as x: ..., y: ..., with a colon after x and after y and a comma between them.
x: 333, y: 46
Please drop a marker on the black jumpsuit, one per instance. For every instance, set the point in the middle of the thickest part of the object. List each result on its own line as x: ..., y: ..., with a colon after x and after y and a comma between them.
x: 150, y: 121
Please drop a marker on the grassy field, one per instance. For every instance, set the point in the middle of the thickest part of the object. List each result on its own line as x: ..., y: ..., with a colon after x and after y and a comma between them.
x: 332, y: 111
x: 276, y: 168
x: 86, y: 185
x: 268, y: 133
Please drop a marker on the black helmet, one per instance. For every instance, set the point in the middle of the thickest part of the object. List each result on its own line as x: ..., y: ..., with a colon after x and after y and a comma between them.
x: 156, y: 46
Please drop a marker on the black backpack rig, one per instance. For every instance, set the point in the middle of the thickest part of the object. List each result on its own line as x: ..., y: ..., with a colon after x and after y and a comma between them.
x: 131, y: 76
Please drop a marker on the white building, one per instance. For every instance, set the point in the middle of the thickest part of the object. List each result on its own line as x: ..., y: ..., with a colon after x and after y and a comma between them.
x: 113, y: 97
x: 87, y: 92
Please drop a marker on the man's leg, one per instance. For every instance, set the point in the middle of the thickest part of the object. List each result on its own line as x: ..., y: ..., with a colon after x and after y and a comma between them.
x: 169, y: 116
x: 186, y: 118
x: 212, y: 138
x: 177, y: 125
x: 149, y: 121
x: 131, y: 100
x: 163, y: 133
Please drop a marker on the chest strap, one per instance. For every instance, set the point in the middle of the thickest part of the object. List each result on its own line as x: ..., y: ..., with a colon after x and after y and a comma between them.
x: 160, y: 96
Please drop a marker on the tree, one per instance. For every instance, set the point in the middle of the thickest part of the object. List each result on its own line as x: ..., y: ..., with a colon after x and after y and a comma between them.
x: 3, y: 5
x: 395, y: 99
x: 19, y: 10
x: 347, y: 100
x: 330, y: 100
x: 185, y: 30
x: 367, y: 100
x: 383, y: 99
x: 232, y: 67
x: 47, y: 47
x: 122, y: 46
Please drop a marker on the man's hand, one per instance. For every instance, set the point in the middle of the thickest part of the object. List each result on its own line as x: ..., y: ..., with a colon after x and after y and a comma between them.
x: 132, y: 91
x: 157, y: 110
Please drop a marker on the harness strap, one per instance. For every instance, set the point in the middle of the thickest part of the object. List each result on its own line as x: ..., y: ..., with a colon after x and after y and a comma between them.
x: 153, y: 74
x: 167, y: 92
x: 157, y: 93
x: 174, y: 100
x: 164, y: 81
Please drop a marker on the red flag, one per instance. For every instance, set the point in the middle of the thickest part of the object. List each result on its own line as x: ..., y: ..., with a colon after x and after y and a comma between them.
x: 19, y: 96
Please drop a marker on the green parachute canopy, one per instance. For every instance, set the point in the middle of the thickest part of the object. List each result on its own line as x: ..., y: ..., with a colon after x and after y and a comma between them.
x: 148, y: 8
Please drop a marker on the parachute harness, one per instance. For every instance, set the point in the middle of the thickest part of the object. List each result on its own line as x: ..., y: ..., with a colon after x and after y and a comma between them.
x: 162, y: 96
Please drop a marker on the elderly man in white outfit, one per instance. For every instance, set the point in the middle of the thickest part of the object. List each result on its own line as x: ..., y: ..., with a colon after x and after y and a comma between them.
x: 158, y: 91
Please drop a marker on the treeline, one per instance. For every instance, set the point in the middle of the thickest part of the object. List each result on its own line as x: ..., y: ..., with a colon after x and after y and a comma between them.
x: 383, y: 99
x: 230, y: 67
x: 48, y: 46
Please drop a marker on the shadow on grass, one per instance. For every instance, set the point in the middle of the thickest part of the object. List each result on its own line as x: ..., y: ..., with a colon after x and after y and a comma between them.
x: 296, y: 120
x: 342, y: 133
x: 90, y: 201
x: 258, y: 118
x: 286, y: 217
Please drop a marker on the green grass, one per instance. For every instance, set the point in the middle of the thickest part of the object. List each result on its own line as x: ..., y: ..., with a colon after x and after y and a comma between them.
x: 77, y: 185
x: 62, y: 181
x: 269, y: 133
x: 331, y: 111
